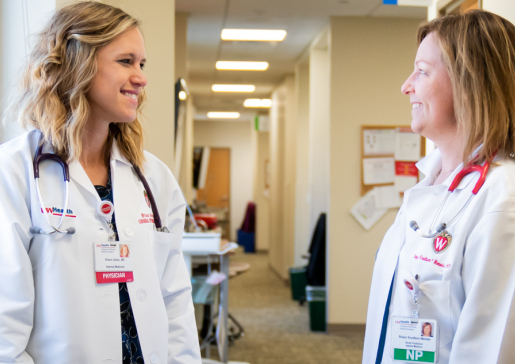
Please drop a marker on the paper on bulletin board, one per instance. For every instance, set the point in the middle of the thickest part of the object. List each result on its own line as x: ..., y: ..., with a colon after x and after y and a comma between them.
x: 406, y: 175
x: 407, y: 146
x: 366, y: 211
x: 378, y: 142
x: 387, y: 197
x: 404, y: 183
x: 378, y: 171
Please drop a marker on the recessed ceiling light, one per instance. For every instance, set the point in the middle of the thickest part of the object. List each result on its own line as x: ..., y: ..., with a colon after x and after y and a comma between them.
x: 257, y: 103
x: 223, y: 115
x: 233, y: 88
x: 241, y: 66
x: 259, y: 35
x: 182, y: 95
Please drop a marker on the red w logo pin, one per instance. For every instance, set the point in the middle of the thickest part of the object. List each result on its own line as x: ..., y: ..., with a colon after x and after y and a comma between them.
x: 441, y: 242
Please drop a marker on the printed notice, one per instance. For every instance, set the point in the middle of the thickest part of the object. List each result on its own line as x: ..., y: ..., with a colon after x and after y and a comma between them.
x: 407, y: 146
x: 378, y: 171
x: 387, y: 197
x: 378, y: 142
x: 366, y: 211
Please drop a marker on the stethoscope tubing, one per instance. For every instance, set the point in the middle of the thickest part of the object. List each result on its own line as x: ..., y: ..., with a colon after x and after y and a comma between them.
x: 39, y: 157
x: 483, y: 171
x: 45, y: 213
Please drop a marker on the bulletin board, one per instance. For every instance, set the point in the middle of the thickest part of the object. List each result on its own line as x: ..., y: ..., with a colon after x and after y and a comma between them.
x: 388, y: 156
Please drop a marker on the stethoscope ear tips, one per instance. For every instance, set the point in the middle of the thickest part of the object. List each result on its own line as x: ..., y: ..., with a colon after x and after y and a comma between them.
x: 413, y: 224
x: 34, y: 230
x: 71, y: 231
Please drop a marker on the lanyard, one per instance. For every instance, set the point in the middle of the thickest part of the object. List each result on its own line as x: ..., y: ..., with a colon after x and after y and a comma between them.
x: 382, y: 338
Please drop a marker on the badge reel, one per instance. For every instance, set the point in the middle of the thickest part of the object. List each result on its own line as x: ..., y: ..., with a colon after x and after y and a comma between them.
x: 106, y: 210
x: 414, y: 339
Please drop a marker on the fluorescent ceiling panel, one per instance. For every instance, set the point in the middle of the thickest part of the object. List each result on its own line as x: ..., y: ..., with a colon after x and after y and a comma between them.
x: 241, y: 66
x: 223, y: 115
x: 259, y: 35
x: 257, y: 103
x: 233, y: 88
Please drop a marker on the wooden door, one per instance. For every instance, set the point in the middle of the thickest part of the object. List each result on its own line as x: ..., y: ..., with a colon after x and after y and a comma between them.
x: 216, y: 192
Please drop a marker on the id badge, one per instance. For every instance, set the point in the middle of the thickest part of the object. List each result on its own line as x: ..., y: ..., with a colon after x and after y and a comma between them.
x: 113, y: 262
x: 414, y: 340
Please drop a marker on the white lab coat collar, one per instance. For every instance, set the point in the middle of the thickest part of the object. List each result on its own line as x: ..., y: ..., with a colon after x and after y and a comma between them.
x: 431, y: 165
x: 79, y: 175
x: 117, y: 155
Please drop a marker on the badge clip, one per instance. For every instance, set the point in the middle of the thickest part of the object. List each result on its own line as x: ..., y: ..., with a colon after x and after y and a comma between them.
x: 413, y: 287
x: 106, y: 210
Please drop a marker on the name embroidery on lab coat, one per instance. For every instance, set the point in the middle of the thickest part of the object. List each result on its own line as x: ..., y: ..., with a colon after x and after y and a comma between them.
x: 430, y: 260
x: 146, y: 219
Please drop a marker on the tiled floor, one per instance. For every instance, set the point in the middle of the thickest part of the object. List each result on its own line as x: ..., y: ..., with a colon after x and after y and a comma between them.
x: 277, y: 328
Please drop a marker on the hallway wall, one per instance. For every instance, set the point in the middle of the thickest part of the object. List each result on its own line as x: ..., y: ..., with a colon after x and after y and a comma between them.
x: 504, y: 8
x: 282, y: 176
x: 370, y: 59
x: 158, y: 28
x: 18, y: 25
x: 302, y: 188
x: 262, y: 194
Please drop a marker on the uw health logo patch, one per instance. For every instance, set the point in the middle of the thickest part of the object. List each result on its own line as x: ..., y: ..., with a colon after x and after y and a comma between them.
x: 441, y: 242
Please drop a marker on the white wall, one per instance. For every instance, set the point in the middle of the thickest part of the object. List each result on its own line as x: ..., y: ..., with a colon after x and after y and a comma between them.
x: 319, y: 83
x: 302, y: 207
x: 20, y: 21
x: 158, y: 27
x: 504, y: 8
x: 235, y: 135
x: 261, y: 194
x: 282, y: 177
x: 370, y: 59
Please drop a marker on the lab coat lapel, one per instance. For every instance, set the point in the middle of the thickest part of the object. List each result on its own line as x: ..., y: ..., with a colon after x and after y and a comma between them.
x: 78, y: 175
x: 384, y: 269
x: 128, y: 195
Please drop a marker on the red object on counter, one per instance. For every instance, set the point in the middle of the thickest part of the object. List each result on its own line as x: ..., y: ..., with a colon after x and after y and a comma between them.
x: 210, y: 219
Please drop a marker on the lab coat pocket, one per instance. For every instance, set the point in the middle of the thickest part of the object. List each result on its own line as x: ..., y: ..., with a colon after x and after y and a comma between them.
x: 163, y: 245
x: 435, y: 303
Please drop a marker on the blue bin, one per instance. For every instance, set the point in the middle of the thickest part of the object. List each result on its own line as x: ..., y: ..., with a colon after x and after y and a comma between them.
x: 246, y: 240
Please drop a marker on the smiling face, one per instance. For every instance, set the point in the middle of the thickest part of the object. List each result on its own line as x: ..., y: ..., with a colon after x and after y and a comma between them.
x: 427, y: 330
x: 430, y: 90
x: 114, y: 90
x: 125, y: 251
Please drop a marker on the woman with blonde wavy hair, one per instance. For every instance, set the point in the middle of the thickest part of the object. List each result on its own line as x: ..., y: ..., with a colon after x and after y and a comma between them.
x: 73, y: 192
x: 449, y: 259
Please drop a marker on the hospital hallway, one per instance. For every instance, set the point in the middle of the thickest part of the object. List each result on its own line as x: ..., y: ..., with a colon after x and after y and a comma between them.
x: 276, y: 327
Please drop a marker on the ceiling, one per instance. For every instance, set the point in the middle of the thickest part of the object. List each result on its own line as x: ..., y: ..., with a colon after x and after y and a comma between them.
x: 302, y: 19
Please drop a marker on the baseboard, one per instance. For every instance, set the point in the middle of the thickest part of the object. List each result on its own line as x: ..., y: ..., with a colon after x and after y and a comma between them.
x: 345, y: 328
x: 286, y: 281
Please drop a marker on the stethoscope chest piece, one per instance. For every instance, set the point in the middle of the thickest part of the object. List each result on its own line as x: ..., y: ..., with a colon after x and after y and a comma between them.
x: 442, y: 241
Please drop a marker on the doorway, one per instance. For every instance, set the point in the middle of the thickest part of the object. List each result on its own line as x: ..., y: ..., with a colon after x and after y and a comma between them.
x: 217, y: 188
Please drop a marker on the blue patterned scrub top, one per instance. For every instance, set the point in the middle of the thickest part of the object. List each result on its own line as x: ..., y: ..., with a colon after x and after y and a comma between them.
x: 132, y: 353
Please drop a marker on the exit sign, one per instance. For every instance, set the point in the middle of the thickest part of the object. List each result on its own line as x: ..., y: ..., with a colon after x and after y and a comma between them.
x: 408, y: 2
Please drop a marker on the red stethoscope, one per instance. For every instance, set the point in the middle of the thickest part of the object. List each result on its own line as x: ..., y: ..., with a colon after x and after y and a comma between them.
x: 471, y: 168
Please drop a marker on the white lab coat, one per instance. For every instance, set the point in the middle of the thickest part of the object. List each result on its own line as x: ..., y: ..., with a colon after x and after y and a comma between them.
x: 469, y: 287
x: 52, y: 311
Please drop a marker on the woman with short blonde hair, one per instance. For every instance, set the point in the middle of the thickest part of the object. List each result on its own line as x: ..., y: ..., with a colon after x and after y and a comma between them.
x: 73, y: 193
x: 449, y: 258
